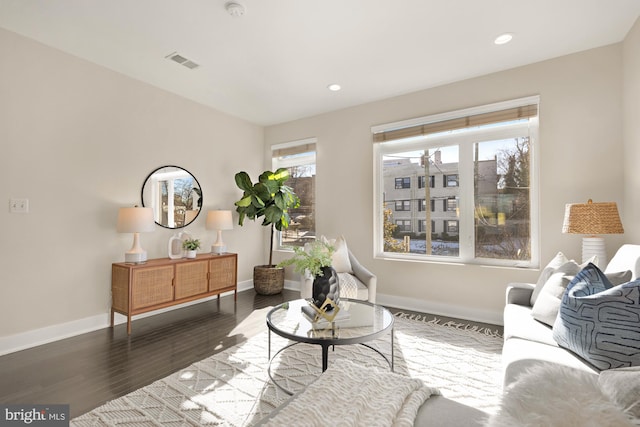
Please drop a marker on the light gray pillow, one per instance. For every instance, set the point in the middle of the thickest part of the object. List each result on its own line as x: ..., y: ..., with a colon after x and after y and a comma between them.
x: 547, y: 304
x: 558, y: 264
x: 559, y: 260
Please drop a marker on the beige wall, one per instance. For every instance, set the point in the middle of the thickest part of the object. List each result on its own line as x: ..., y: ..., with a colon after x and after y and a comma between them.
x: 631, y: 126
x: 78, y: 141
x: 580, y: 152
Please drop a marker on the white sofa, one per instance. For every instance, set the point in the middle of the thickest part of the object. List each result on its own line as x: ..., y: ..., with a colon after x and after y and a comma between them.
x: 528, y: 342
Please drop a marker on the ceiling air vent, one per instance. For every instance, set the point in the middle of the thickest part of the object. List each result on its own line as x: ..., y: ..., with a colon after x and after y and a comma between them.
x: 182, y: 60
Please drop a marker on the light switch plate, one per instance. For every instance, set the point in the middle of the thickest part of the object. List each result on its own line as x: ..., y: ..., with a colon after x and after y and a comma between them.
x: 19, y: 205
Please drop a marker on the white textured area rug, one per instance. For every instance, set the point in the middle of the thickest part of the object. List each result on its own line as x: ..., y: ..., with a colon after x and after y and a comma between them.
x: 233, y: 388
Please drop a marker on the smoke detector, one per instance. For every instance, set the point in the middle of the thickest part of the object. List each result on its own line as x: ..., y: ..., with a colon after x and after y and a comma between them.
x: 234, y: 9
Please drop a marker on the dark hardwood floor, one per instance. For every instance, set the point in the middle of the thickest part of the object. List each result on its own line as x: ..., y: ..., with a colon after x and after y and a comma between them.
x: 89, y: 370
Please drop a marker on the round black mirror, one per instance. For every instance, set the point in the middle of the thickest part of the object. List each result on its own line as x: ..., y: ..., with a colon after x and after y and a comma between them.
x: 174, y: 194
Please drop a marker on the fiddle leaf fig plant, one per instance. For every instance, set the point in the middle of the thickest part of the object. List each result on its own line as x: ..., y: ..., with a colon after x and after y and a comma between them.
x: 269, y: 199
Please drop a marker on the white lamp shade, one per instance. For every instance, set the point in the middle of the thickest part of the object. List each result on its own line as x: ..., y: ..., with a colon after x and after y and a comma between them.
x: 135, y: 220
x: 219, y: 220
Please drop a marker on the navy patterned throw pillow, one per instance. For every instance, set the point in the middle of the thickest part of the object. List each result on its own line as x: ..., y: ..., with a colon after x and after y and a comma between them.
x: 600, y: 322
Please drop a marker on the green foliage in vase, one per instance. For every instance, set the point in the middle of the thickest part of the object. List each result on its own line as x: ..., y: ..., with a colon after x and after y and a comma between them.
x: 317, y: 255
x: 191, y: 244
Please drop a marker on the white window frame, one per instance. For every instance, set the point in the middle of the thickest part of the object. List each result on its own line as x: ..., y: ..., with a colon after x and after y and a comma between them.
x: 465, y: 178
x: 286, y: 163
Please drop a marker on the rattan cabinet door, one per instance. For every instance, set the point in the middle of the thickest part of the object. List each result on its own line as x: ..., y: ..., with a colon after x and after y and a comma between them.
x: 151, y: 286
x: 191, y: 279
x: 222, y: 273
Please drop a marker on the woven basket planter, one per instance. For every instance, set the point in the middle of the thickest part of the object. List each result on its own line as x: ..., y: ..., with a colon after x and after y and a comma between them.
x: 268, y: 279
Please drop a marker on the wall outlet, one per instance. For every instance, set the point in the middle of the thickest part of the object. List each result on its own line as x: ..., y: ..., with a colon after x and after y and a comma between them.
x: 19, y: 205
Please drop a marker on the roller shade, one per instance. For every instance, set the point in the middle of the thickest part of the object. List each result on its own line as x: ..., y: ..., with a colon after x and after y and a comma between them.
x: 293, y: 150
x: 515, y: 113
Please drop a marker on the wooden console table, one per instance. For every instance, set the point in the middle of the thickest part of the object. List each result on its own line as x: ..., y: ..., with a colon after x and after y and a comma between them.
x: 163, y: 282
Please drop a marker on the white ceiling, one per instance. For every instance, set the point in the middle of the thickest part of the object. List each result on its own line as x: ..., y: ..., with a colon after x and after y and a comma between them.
x: 274, y: 63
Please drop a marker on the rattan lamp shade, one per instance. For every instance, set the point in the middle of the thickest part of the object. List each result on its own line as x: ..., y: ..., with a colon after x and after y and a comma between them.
x: 592, y: 219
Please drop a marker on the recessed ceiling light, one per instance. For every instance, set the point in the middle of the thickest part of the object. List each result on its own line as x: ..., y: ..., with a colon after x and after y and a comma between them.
x: 334, y: 87
x: 503, y: 38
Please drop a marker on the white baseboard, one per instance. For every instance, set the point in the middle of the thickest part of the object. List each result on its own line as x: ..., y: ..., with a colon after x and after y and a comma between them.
x: 448, y: 310
x: 36, y: 337
x: 293, y: 285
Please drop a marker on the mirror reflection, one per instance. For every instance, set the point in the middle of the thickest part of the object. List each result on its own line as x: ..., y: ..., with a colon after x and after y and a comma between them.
x: 174, y: 194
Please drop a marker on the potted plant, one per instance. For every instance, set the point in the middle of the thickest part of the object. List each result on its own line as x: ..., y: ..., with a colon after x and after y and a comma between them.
x: 314, y: 260
x: 269, y: 199
x: 311, y: 259
x: 191, y: 246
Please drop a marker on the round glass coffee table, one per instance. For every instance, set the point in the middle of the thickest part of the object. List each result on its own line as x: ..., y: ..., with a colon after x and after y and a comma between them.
x: 357, y: 323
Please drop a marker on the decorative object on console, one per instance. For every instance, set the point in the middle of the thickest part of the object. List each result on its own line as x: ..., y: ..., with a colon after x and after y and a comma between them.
x: 174, y: 195
x: 175, y: 249
x: 219, y: 220
x: 592, y: 219
x: 191, y: 246
x: 269, y: 198
x: 135, y: 220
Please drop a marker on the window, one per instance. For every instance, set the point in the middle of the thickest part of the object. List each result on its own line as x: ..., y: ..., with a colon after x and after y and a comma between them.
x: 484, y: 158
x: 403, y: 183
x: 403, y: 225
x: 299, y: 157
x: 421, y: 181
x: 403, y: 205
x: 450, y: 180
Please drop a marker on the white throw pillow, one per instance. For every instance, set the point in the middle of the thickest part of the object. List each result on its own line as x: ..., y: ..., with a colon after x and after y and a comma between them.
x: 558, y: 263
x: 547, y: 304
x: 340, y: 260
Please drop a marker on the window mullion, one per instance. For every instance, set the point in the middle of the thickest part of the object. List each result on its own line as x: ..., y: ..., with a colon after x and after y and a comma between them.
x: 466, y: 202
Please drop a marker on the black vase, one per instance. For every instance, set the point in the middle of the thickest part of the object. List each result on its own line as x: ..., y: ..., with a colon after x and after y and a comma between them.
x: 326, y: 286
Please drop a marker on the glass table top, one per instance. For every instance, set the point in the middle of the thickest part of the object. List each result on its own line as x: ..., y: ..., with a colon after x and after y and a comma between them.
x: 357, y: 321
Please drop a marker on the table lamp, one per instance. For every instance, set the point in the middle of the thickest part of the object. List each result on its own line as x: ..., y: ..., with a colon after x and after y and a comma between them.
x: 219, y: 220
x: 592, y: 219
x: 135, y: 220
